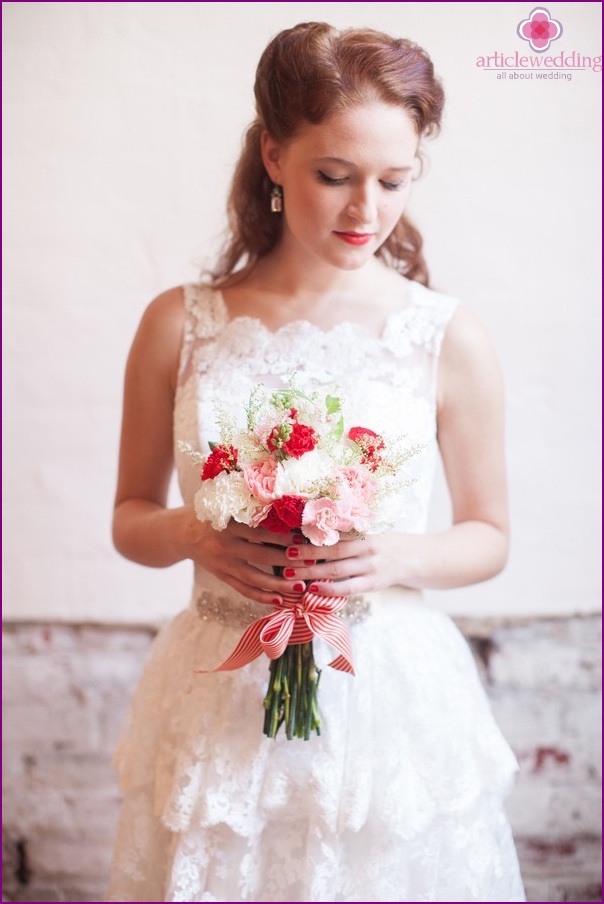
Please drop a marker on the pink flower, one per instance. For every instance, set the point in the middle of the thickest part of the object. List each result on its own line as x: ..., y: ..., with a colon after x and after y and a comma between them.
x: 539, y: 29
x: 322, y: 519
x: 260, y: 479
x: 362, y: 485
x: 354, y: 513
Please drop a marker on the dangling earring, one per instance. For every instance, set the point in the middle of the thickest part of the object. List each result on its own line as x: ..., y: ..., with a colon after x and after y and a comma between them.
x: 276, y: 199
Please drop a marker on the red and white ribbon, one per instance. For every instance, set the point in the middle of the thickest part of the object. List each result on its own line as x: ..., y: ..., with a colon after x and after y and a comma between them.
x: 296, y: 620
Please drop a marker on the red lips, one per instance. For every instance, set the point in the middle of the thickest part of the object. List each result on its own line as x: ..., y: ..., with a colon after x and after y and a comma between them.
x: 355, y: 238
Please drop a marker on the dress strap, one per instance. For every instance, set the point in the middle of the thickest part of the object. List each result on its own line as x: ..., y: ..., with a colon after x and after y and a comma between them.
x: 423, y: 323
x: 205, y: 316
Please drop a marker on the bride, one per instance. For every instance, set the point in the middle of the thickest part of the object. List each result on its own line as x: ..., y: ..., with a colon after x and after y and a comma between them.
x: 401, y: 796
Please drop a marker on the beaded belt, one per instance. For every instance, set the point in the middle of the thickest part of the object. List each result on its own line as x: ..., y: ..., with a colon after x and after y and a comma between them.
x: 239, y: 613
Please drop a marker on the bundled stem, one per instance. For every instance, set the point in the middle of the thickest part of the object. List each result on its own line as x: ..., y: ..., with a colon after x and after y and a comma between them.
x: 291, y: 698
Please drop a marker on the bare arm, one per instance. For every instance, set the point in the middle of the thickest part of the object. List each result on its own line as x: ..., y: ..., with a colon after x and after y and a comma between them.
x: 471, y: 441
x: 143, y: 529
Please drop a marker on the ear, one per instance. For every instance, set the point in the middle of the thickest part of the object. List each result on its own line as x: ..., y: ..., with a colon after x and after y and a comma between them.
x: 271, y: 152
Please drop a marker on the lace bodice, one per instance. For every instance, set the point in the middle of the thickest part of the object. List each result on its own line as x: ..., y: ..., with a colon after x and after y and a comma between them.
x: 386, y: 383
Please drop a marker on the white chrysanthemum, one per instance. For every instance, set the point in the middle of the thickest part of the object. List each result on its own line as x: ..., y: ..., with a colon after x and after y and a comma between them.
x: 296, y: 476
x: 226, y: 496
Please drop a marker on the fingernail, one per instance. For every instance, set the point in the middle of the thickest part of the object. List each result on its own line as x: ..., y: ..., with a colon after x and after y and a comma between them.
x: 314, y: 588
x: 298, y: 587
x: 289, y: 572
x: 292, y: 552
x: 298, y: 539
x: 276, y: 601
x: 310, y: 561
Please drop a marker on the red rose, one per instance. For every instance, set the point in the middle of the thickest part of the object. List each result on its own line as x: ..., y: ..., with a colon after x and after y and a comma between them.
x: 370, y: 444
x: 285, y: 514
x: 293, y: 439
x: 221, y: 458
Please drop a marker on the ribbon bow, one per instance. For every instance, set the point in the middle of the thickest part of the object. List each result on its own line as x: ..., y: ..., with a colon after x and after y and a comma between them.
x: 296, y: 620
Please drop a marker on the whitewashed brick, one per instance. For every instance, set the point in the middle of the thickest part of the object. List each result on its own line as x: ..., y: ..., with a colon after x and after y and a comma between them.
x: 67, y: 688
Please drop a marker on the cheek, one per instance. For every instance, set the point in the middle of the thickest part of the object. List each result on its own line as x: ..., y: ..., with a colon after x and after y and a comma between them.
x: 396, y: 207
x: 313, y: 210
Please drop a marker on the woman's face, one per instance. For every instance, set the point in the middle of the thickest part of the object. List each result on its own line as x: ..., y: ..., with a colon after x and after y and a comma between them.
x: 345, y: 183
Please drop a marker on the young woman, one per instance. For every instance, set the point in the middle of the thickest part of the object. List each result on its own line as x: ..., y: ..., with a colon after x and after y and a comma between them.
x: 400, y: 797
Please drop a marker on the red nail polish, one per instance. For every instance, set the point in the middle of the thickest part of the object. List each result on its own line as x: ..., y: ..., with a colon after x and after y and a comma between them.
x: 299, y: 587
x: 314, y: 588
x: 310, y: 561
x: 276, y: 601
x: 292, y: 552
x: 289, y: 572
x: 298, y: 539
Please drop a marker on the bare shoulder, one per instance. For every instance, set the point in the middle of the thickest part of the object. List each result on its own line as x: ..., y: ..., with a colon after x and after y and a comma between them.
x: 166, y: 313
x: 468, y: 360
x: 159, y: 336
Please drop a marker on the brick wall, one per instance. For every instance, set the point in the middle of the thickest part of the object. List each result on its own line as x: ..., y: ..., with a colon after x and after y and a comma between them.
x: 66, y: 688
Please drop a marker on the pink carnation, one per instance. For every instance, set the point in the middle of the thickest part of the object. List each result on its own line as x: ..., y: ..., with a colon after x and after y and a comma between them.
x: 362, y: 485
x: 260, y: 479
x: 322, y: 519
x: 357, y: 489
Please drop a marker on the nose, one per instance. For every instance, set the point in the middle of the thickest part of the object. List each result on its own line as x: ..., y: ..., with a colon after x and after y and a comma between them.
x: 362, y: 206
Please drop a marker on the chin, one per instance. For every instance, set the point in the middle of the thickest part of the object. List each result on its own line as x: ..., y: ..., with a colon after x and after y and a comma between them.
x: 353, y: 263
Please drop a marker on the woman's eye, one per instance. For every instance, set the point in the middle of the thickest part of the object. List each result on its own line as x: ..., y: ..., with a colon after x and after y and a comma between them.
x: 330, y: 180
x: 393, y: 186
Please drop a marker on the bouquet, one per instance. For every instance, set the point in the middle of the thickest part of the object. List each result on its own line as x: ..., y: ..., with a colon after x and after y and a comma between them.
x: 296, y: 469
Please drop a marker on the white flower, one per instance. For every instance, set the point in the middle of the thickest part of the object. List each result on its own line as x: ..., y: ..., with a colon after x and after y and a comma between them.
x: 224, y: 497
x: 386, y: 508
x: 296, y: 476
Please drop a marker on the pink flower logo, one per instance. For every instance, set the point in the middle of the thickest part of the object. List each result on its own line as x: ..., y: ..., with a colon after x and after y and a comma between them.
x: 539, y: 29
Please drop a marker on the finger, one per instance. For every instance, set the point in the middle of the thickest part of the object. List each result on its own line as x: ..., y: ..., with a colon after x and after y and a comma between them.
x: 265, y: 597
x: 266, y: 582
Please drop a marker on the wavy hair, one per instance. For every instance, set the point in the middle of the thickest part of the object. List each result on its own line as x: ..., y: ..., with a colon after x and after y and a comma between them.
x: 305, y: 75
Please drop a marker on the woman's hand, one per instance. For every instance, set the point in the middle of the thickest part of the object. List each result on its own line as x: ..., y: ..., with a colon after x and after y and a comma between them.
x: 353, y: 565
x: 244, y: 558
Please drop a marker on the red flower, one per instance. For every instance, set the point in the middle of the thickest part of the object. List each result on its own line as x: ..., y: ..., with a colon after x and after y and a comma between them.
x: 293, y: 439
x: 221, y: 458
x: 285, y: 514
x: 370, y: 444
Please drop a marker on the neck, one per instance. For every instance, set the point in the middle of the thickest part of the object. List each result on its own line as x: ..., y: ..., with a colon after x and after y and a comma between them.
x: 291, y: 278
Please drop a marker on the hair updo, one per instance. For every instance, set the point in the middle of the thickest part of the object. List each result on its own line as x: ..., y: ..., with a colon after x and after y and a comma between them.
x: 306, y: 74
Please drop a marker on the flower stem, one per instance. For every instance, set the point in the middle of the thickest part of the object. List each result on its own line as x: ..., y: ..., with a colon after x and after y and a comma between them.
x: 291, y: 698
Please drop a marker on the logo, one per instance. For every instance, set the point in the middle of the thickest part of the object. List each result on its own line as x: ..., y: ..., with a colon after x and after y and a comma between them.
x: 539, y: 29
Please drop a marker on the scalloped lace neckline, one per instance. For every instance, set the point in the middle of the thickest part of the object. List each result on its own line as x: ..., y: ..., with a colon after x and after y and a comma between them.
x: 308, y: 327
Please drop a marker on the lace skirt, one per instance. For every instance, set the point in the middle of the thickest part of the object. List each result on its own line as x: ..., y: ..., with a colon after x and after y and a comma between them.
x: 399, y: 798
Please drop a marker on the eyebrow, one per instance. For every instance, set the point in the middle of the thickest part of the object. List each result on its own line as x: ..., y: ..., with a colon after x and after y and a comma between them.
x: 343, y: 162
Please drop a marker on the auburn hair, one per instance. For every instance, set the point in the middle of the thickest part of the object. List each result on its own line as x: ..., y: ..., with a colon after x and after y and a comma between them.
x: 305, y: 75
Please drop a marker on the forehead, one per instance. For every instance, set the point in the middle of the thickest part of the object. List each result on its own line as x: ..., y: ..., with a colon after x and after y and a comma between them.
x: 376, y: 130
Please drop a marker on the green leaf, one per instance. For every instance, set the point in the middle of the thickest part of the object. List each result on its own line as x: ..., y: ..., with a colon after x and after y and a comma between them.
x: 213, y: 445
x: 332, y: 403
x: 338, y: 430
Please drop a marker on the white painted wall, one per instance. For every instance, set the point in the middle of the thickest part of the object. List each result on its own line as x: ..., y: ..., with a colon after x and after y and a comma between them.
x: 122, y: 123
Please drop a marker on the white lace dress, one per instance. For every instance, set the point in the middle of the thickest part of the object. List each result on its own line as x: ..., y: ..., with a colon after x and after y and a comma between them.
x: 400, y: 798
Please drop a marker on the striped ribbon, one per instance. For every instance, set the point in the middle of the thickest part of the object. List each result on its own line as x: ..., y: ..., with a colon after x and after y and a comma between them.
x: 294, y: 621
